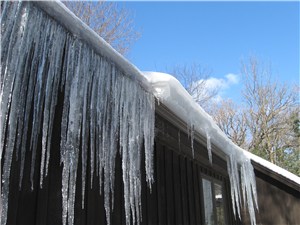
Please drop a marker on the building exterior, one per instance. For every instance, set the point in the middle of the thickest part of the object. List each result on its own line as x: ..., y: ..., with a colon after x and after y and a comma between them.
x: 192, y: 179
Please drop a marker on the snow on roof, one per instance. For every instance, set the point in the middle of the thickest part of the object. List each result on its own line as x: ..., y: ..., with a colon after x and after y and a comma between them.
x: 66, y: 18
x: 276, y: 169
x: 166, y: 88
x: 171, y: 93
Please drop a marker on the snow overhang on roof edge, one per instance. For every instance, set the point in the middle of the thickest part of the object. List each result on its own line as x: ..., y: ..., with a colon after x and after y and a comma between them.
x: 276, y: 169
x: 158, y: 83
x: 171, y: 93
x: 71, y: 22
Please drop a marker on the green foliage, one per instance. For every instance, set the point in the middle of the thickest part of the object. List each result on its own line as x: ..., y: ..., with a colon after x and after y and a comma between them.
x: 291, y: 161
x: 296, y: 126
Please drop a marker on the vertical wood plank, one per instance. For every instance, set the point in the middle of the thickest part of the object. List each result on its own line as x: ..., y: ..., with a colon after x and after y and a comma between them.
x: 191, y: 196
x: 197, y: 194
x: 28, y: 204
x: 144, y: 188
x: 152, y: 199
x: 15, y: 196
x: 54, y: 213
x: 184, y: 191
x: 80, y: 212
x: 201, y: 194
x: 161, y: 188
x: 118, y: 197
x: 123, y: 200
x: 169, y: 186
x: 177, y: 189
x: 95, y: 201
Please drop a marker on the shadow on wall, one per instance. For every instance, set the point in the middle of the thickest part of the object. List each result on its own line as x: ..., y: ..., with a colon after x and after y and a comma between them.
x: 277, y: 204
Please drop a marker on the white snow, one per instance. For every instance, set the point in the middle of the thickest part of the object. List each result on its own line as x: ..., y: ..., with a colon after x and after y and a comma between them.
x: 106, y: 104
x: 273, y: 167
x: 61, y: 13
x: 170, y: 92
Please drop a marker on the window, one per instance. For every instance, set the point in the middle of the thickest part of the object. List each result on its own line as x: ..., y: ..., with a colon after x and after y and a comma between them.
x: 219, y: 204
x: 213, y: 200
x: 208, y: 202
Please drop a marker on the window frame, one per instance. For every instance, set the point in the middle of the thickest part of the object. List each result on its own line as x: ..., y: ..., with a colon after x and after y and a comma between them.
x: 213, y: 182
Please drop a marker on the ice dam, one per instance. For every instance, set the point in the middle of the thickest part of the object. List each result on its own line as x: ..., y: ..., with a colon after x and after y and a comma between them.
x: 108, y: 108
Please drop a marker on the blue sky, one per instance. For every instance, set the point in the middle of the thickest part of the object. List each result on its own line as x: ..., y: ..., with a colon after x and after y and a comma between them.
x: 217, y: 35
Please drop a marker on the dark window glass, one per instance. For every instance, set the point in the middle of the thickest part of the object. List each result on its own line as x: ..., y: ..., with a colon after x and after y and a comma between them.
x: 219, y: 203
x: 213, y: 199
x: 208, y: 202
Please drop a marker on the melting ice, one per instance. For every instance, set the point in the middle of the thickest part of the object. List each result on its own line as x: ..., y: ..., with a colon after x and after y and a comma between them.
x: 171, y: 93
x: 102, y: 109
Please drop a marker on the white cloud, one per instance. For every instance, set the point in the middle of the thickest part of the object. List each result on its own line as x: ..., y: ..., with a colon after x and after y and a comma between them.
x: 232, y: 78
x: 212, y: 83
x: 221, y: 84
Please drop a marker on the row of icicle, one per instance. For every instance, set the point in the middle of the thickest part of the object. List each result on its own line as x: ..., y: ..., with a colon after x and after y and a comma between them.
x: 103, y: 111
x: 240, y: 170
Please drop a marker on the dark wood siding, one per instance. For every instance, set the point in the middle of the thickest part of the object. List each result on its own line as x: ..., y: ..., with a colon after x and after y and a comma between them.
x: 175, y: 198
x: 278, y: 203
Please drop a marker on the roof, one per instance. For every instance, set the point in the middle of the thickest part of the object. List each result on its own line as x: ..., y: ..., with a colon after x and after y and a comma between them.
x: 171, y: 93
x: 67, y: 19
x: 165, y: 87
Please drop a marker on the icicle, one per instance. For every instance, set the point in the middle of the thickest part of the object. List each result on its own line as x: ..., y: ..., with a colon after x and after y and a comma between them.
x: 52, y: 85
x: 124, y: 148
x: 10, y: 47
x: 248, y: 184
x: 175, y: 97
x: 39, y: 95
x: 148, y: 131
x: 57, y: 64
x: 192, y: 140
x: 84, y: 131
x: 208, y: 143
x: 10, y: 100
x: 191, y: 134
x: 232, y: 166
x: 71, y: 148
x: 93, y: 123
x: 107, y: 145
x: 102, y: 109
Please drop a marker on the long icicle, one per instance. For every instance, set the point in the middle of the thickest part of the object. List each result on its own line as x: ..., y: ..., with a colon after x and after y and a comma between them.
x: 102, y: 109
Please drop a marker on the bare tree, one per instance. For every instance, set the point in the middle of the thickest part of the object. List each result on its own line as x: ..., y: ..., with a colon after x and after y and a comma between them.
x: 194, y: 79
x: 268, y: 121
x: 271, y: 107
x: 113, y: 23
x: 231, y: 119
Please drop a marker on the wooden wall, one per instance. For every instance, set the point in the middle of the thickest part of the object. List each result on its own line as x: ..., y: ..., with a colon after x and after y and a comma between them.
x: 279, y: 204
x: 176, y: 196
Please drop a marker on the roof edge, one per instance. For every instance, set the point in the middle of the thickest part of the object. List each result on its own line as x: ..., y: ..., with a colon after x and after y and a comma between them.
x: 58, y: 11
x: 173, y: 96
